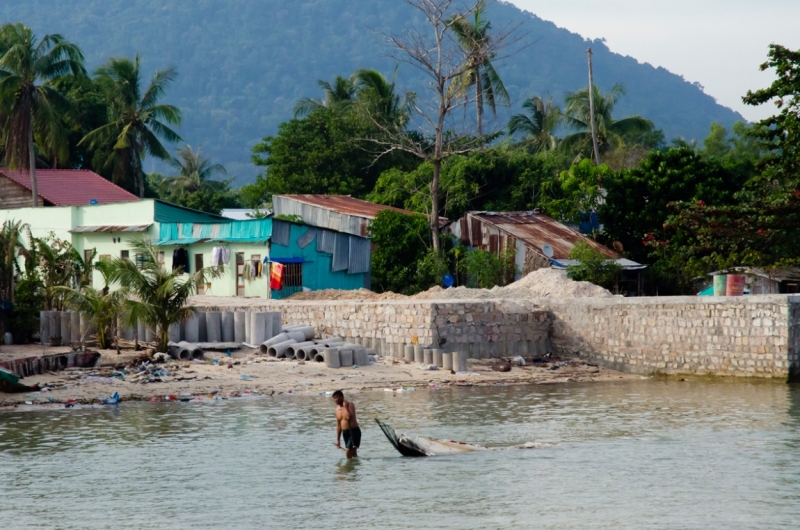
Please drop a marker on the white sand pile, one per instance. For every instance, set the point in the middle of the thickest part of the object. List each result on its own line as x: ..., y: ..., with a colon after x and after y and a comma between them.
x: 543, y: 283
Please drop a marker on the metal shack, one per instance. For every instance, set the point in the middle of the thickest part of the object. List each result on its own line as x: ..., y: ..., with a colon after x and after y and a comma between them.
x: 538, y: 241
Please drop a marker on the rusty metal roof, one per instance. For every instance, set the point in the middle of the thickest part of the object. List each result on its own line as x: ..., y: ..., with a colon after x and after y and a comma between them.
x: 110, y: 229
x: 536, y: 230
x: 344, y: 204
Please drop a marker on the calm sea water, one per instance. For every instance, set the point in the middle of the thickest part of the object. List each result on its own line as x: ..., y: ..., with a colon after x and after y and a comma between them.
x: 648, y: 454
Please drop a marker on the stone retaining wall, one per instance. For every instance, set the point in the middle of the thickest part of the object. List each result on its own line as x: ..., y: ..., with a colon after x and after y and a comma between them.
x: 756, y: 336
x: 484, y: 328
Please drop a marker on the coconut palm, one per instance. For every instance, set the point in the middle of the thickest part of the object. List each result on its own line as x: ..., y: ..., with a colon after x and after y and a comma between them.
x: 195, y: 173
x: 10, y: 245
x: 538, y: 125
x: 156, y: 297
x: 473, y: 37
x: 611, y: 133
x: 378, y: 95
x: 101, y: 306
x: 136, y: 119
x: 339, y: 95
x: 30, y: 104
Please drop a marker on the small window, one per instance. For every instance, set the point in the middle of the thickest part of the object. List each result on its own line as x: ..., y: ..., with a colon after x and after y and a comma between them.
x: 139, y: 260
x: 124, y: 254
x: 161, y: 258
x: 292, y: 275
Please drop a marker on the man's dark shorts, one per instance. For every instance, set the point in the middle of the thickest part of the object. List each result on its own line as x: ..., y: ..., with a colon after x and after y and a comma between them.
x: 352, y: 438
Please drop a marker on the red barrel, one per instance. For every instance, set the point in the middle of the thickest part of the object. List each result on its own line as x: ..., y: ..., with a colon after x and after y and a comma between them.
x: 735, y: 285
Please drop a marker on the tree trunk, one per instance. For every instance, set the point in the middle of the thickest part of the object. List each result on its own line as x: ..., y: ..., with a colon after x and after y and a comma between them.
x: 479, y: 99
x: 32, y: 165
x: 437, y: 167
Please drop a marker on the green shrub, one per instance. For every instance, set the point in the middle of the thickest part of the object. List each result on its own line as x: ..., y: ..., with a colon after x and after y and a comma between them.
x: 594, y: 267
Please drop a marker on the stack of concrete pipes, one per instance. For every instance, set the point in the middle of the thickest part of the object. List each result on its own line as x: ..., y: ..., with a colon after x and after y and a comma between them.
x: 64, y: 327
x: 298, y: 342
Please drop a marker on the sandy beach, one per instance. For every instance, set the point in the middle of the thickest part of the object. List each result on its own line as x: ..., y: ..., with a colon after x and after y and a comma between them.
x: 247, y: 372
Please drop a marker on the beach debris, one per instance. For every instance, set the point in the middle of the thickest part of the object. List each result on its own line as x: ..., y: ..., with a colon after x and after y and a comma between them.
x: 428, y: 367
x: 247, y: 377
x: 113, y: 400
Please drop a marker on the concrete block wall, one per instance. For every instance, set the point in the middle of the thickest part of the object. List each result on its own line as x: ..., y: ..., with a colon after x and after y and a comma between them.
x: 755, y: 336
x: 482, y: 328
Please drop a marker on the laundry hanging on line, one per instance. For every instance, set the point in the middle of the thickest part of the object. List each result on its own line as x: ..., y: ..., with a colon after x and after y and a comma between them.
x: 220, y: 256
x: 276, y: 276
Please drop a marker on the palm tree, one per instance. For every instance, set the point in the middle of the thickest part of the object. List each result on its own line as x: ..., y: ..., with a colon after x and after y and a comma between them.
x: 339, y: 95
x: 379, y: 97
x: 195, y: 173
x: 100, y: 306
x: 473, y: 37
x: 539, y: 124
x: 136, y: 119
x: 158, y: 298
x: 611, y: 133
x: 31, y: 110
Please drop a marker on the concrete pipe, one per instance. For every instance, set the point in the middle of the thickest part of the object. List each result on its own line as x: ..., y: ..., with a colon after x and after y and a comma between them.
x: 127, y: 333
x: 277, y: 339
x: 268, y: 321
x: 437, y: 357
x: 279, y: 350
x: 191, y: 329
x: 419, y: 357
x: 304, y: 353
x: 332, y: 358
x: 87, y: 327
x: 174, y: 332
x: 308, y: 331
x: 409, y: 353
x: 66, y: 327
x: 247, y: 333
x: 44, y: 327
x: 346, y: 357
x: 148, y: 335
x: 75, y: 324
x: 427, y: 356
x: 460, y: 361
x: 447, y: 361
x: 258, y: 324
x: 214, y: 326
x: 291, y: 351
x: 277, y: 317
x: 203, y: 329
x: 55, y: 328
x: 330, y: 340
x: 180, y: 352
x: 360, y: 356
x: 228, y: 334
x: 291, y: 327
x: 319, y: 357
x: 239, y: 327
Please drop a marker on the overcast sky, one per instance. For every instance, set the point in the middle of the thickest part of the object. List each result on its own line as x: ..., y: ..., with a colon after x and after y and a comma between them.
x: 718, y: 43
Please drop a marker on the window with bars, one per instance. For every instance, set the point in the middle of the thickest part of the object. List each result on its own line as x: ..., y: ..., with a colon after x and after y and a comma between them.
x: 124, y: 254
x: 292, y: 275
x: 139, y: 260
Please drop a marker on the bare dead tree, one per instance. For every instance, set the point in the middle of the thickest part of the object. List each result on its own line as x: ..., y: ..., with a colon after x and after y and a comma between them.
x: 433, y: 49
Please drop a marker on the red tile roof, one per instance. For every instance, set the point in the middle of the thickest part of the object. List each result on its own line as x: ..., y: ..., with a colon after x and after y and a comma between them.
x: 71, y: 187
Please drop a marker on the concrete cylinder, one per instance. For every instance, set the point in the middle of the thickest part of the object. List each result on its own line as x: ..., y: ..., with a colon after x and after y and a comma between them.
x: 191, y: 329
x: 427, y: 356
x: 276, y: 323
x: 75, y: 324
x: 330, y: 341
x: 409, y: 353
x: 174, y: 332
x: 66, y: 327
x: 55, y: 327
x: 447, y: 361
x: 360, y: 356
x: 239, y: 327
x: 203, y: 328
x: 269, y: 317
x: 87, y: 328
x: 247, y: 333
x: 308, y: 331
x: 148, y: 335
x: 319, y: 357
x: 277, y: 339
x: 279, y: 350
x: 460, y: 361
x: 228, y: 334
x: 381, y: 348
x: 291, y: 351
x: 346, y: 357
x: 258, y: 327
x: 44, y: 327
x: 185, y: 351
x: 332, y: 358
x: 437, y: 357
x: 419, y: 356
x: 305, y: 353
x: 140, y: 332
x: 214, y: 326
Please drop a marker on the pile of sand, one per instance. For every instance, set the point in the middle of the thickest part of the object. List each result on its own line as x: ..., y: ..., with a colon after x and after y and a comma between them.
x: 543, y: 283
x: 336, y: 294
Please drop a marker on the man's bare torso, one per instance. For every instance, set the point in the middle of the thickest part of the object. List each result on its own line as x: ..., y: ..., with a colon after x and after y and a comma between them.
x: 347, y: 421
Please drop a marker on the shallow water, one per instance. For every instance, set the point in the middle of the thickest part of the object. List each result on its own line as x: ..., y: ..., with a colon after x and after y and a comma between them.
x: 648, y: 454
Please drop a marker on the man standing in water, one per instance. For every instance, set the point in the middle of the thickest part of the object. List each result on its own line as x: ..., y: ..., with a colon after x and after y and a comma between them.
x: 347, y: 425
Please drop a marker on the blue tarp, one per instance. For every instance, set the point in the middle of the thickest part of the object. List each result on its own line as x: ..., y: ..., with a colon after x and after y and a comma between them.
x: 250, y: 231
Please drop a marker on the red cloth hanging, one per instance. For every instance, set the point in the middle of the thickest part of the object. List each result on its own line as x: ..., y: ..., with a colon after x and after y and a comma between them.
x: 276, y: 276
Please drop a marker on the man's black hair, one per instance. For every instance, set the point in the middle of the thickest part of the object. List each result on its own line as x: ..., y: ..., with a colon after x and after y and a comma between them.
x: 338, y: 393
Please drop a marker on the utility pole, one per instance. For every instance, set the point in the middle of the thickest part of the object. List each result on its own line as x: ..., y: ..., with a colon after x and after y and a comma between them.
x: 591, y: 110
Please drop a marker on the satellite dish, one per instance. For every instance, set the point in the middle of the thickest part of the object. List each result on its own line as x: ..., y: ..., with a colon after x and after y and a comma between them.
x: 93, y: 201
x: 547, y: 250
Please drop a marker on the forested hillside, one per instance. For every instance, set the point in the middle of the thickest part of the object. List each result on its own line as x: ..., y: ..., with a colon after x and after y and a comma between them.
x: 243, y: 64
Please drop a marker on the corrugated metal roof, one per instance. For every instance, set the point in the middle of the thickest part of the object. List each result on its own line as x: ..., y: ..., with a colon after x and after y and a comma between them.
x: 341, y: 253
x: 251, y: 231
x: 533, y: 229
x: 626, y: 264
x: 360, y: 255
x: 71, y: 187
x: 326, y: 241
x: 280, y: 233
x: 341, y: 204
x: 166, y: 212
x: 110, y: 229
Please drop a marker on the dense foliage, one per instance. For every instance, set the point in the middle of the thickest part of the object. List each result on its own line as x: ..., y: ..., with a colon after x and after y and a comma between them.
x: 593, y: 267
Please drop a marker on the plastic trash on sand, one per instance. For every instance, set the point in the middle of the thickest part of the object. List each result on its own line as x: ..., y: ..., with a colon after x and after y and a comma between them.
x: 400, y: 390
x: 518, y: 361
x: 247, y: 377
x: 113, y: 400
x: 429, y: 367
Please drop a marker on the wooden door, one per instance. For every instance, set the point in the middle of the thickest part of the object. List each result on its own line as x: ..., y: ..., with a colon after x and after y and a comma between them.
x: 198, y: 265
x: 240, y: 274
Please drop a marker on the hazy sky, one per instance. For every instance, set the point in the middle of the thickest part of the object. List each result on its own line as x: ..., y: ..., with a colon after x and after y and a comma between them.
x: 718, y: 43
